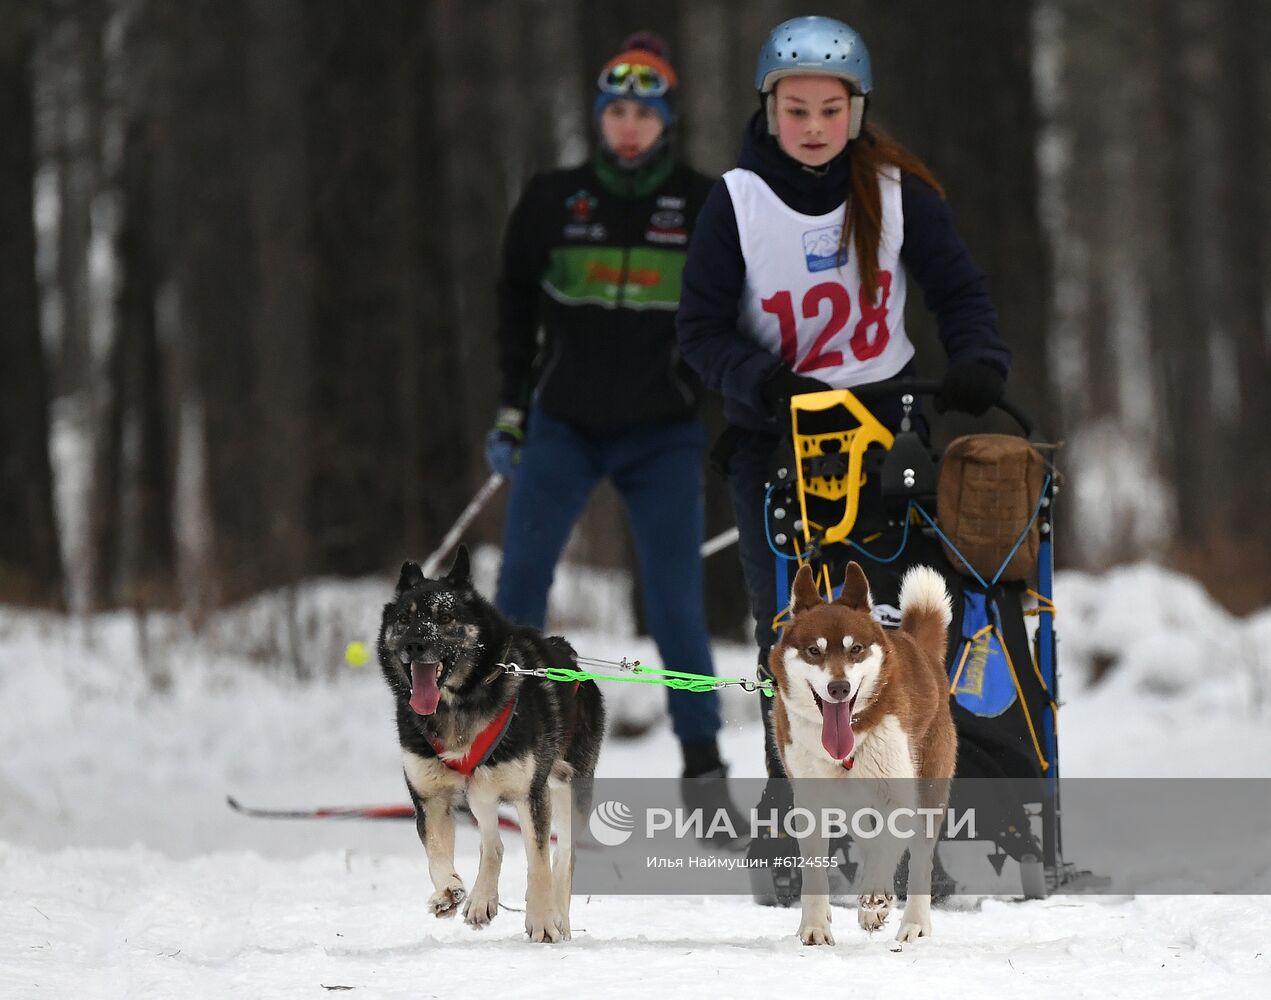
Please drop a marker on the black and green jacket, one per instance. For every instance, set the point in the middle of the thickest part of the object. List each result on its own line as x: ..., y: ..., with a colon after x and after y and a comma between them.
x: 592, y: 256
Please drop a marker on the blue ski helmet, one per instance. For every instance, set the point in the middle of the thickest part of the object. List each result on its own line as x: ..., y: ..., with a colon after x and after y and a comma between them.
x: 815, y: 45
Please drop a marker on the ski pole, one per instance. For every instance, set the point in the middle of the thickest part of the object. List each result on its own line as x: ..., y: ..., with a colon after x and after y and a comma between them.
x: 720, y: 541
x: 355, y: 653
x: 471, y: 511
x: 491, y: 486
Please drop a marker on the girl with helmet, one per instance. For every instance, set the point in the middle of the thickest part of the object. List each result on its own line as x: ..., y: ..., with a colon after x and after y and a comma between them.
x: 797, y: 275
x: 592, y: 256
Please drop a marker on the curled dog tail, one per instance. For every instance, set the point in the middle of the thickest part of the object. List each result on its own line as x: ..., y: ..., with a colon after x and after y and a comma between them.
x: 926, y: 610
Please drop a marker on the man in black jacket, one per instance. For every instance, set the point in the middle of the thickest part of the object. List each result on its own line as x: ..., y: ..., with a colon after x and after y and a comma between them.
x: 593, y: 256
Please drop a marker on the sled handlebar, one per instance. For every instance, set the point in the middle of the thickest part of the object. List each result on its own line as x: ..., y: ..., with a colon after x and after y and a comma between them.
x: 929, y: 387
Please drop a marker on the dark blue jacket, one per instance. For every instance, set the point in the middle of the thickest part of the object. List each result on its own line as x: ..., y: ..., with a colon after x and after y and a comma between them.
x: 715, y: 276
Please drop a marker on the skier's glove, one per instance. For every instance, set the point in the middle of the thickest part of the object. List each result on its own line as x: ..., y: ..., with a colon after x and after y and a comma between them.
x: 783, y: 383
x: 969, y: 387
x: 503, y: 442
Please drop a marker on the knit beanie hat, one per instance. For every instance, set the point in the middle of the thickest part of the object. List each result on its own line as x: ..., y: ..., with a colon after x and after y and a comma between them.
x: 639, y: 72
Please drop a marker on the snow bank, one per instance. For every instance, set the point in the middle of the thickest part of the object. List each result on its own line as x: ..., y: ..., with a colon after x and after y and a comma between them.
x: 123, y: 874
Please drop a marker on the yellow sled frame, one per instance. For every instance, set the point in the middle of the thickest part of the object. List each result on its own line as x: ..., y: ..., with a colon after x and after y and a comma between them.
x: 852, y: 443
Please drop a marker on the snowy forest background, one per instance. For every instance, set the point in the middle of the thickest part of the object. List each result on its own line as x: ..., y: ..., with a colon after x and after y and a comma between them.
x: 247, y: 254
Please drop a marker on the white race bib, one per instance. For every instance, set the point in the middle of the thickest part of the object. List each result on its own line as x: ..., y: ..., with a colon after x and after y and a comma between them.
x: 803, y: 299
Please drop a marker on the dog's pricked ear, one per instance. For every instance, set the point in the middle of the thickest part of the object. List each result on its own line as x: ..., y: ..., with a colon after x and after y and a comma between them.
x: 412, y: 576
x: 803, y: 593
x: 460, y: 574
x: 855, y: 592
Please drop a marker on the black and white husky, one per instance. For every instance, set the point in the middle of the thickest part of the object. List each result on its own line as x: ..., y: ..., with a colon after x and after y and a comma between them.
x: 468, y: 727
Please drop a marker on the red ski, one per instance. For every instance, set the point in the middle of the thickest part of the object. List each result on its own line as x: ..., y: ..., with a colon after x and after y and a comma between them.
x: 325, y: 812
x: 356, y: 812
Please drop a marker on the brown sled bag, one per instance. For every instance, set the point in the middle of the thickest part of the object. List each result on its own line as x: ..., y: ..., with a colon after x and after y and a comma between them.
x: 987, y: 492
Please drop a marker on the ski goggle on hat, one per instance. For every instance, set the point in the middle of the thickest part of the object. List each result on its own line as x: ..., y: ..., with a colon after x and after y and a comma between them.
x: 637, y: 72
x: 625, y: 78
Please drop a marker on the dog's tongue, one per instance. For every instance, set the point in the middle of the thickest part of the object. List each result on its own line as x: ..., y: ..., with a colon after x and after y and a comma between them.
x: 424, y: 693
x: 836, y: 729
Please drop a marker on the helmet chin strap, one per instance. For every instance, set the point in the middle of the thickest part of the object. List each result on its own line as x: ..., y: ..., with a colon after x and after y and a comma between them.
x: 857, y: 103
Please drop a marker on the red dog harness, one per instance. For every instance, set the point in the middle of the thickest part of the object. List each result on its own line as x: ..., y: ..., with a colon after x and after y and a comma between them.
x: 486, y: 740
x: 482, y: 746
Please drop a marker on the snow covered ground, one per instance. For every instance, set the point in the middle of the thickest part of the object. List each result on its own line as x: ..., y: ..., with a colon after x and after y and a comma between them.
x: 123, y: 874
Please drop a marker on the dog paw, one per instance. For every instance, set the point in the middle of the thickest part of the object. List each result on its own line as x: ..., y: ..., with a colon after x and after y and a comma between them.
x: 480, y: 909
x: 544, y: 926
x: 872, y: 910
x: 913, y: 931
x: 815, y: 933
x: 445, y: 901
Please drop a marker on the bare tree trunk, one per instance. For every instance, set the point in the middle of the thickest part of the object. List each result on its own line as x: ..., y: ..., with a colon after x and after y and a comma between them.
x: 1098, y: 142
x: 389, y: 390
x: 30, y: 563
x: 207, y: 294
x: 279, y: 198
x: 74, y: 33
x: 157, y: 285
x: 93, y: 319
x: 218, y: 285
x: 1180, y: 325
x: 69, y: 79
x: 561, y: 114
x: 418, y: 297
x: 1246, y: 265
x: 708, y: 69
x: 149, y: 563
x: 480, y: 181
x: 142, y: 431
x: 988, y: 159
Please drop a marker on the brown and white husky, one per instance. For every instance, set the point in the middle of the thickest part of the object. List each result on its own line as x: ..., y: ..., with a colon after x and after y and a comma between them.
x: 866, y: 711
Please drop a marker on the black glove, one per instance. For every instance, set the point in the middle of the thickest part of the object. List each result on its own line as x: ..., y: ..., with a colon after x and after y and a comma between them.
x: 969, y: 387
x: 783, y: 383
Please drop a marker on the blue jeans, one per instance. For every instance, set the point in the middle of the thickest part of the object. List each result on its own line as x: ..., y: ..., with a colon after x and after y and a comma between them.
x: 658, y: 473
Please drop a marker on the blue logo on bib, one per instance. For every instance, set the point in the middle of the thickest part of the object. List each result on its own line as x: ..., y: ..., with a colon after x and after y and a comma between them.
x: 821, y: 248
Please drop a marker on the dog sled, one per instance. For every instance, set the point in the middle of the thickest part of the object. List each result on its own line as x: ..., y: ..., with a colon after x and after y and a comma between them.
x: 846, y: 488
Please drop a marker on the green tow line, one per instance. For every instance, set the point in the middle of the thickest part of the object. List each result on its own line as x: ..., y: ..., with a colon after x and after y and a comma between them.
x: 634, y: 673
